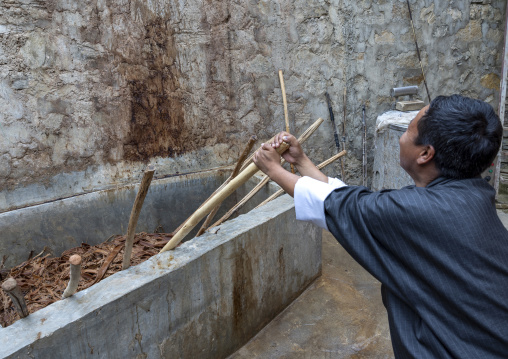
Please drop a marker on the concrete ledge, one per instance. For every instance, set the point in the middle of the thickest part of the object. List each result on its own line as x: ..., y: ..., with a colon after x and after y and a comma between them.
x: 205, y: 299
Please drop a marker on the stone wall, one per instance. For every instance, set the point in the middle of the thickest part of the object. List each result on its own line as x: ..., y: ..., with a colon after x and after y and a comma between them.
x: 92, y: 90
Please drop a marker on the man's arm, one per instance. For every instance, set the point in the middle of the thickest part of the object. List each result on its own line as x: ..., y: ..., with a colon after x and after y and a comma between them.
x: 309, y: 191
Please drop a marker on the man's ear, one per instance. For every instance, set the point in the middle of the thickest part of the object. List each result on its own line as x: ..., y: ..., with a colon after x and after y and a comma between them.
x: 426, y: 155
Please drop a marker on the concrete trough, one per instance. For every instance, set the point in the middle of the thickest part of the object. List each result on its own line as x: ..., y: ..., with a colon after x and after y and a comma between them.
x: 205, y: 299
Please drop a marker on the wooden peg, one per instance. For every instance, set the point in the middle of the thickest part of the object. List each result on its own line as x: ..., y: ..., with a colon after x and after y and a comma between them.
x: 10, y: 286
x: 75, y: 275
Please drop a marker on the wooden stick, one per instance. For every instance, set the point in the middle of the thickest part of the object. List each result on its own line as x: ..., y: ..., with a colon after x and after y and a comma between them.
x: 253, y: 139
x: 10, y: 286
x: 319, y: 166
x: 75, y: 275
x: 107, y: 262
x: 308, y: 132
x: 244, y: 200
x: 208, y: 219
x: 243, y: 156
x: 136, y: 210
x: 4, y: 273
x: 215, y: 200
x: 248, y: 161
x: 239, y: 163
x: 331, y: 160
x: 304, y: 137
x: 285, y: 102
x: 271, y: 198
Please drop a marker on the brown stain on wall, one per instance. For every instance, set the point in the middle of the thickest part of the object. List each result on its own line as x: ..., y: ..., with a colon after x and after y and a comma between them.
x: 415, y: 80
x: 244, y: 299
x: 157, y: 121
x: 282, y: 264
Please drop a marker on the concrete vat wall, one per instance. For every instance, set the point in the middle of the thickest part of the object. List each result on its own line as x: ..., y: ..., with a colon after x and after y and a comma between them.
x: 92, y: 90
x: 94, y: 217
x: 202, y: 300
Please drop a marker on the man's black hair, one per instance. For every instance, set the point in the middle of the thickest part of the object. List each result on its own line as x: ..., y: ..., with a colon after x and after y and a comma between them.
x: 465, y: 133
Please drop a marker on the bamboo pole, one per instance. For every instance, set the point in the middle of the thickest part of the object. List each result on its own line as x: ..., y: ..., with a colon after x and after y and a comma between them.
x: 136, y: 210
x: 10, y: 286
x: 248, y: 161
x: 242, y: 167
x: 215, y: 200
x: 344, y: 134
x: 304, y: 137
x: 75, y: 275
x: 307, y: 133
x: 242, y: 202
x: 319, y: 166
x: 285, y: 102
x: 239, y: 163
x: 311, y: 129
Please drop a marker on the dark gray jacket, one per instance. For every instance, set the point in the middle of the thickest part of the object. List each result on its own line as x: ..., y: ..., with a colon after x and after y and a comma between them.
x: 441, y: 254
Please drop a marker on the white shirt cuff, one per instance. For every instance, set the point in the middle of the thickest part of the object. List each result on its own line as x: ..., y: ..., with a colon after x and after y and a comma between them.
x: 335, y: 182
x: 310, y: 195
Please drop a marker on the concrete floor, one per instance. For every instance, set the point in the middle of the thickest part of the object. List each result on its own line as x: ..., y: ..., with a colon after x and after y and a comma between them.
x: 339, y: 316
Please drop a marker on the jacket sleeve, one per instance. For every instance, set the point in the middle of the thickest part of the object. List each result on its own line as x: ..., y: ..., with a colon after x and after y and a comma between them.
x: 373, y: 228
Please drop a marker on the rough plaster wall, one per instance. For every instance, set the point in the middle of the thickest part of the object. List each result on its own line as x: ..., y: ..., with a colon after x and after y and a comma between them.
x: 90, y: 91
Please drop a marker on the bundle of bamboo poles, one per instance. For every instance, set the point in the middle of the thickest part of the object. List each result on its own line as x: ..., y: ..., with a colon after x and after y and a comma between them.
x: 230, y: 186
x: 302, y: 139
x: 244, y: 170
x: 215, y: 200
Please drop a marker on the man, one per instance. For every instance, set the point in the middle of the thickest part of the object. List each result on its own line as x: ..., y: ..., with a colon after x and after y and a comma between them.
x: 438, y: 247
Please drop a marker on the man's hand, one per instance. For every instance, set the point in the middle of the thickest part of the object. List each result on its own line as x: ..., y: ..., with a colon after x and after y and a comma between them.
x: 267, y: 159
x: 295, y: 154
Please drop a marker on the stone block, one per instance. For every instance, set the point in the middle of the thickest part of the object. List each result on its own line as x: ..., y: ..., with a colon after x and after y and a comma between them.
x: 406, y: 106
x: 385, y: 37
x: 471, y: 32
x: 490, y: 81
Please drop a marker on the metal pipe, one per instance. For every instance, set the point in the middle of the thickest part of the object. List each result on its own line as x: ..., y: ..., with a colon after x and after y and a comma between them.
x: 402, y: 91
